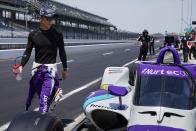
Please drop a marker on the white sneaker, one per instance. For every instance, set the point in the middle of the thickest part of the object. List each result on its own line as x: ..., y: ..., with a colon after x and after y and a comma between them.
x: 56, y: 99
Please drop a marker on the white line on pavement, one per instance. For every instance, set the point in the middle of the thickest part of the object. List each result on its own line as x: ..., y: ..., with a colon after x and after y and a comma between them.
x: 69, y: 61
x: 129, y: 63
x: 108, y: 53
x: 126, y: 50
x: 59, y: 63
x: 12, y: 50
x: 5, y: 126
x: 13, y: 43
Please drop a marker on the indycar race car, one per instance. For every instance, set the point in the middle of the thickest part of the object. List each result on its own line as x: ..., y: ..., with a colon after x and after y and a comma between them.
x: 152, y: 96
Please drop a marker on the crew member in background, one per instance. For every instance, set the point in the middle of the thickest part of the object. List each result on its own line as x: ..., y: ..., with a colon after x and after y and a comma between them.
x: 185, y: 48
x: 46, y: 40
x: 177, y: 42
x: 192, y: 50
x: 151, y: 46
x: 145, y: 40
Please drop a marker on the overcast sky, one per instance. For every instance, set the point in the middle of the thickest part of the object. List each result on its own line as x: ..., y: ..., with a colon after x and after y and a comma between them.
x: 136, y: 15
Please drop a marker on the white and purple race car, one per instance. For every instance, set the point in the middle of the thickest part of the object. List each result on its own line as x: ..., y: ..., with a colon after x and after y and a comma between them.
x: 152, y: 96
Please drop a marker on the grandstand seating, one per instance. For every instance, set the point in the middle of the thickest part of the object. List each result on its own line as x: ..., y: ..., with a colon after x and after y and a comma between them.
x: 8, y: 31
x: 84, y: 24
x: 72, y: 12
x: 64, y: 9
x: 5, y: 27
x: 17, y: 2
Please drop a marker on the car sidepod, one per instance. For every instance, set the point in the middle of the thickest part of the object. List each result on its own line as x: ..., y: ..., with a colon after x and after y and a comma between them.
x: 103, y: 110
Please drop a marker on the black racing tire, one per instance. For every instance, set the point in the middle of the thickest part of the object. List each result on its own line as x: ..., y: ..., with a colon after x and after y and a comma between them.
x: 36, y: 121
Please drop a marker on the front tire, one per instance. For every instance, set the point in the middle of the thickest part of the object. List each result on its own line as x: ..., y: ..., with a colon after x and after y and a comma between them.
x: 36, y: 121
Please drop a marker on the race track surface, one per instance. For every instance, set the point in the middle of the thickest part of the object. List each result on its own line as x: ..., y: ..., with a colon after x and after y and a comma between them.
x: 85, y: 63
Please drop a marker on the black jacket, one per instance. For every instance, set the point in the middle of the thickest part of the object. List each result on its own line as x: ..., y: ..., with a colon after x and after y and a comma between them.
x: 46, y: 43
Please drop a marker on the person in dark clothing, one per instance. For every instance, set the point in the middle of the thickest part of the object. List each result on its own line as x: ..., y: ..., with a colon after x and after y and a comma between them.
x: 185, y: 48
x: 46, y: 40
x: 145, y: 39
x: 151, y: 46
x: 177, y: 42
x: 169, y: 40
x: 192, y: 50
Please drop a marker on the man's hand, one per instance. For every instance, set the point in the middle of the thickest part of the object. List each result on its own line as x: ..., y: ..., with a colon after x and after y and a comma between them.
x: 149, y: 43
x: 20, y: 69
x: 64, y: 75
x: 138, y: 43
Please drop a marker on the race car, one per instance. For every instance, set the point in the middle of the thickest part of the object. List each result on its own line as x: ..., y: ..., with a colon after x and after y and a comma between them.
x: 152, y: 96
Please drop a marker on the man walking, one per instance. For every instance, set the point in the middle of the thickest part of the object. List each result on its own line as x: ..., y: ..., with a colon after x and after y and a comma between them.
x: 145, y: 39
x: 46, y: 40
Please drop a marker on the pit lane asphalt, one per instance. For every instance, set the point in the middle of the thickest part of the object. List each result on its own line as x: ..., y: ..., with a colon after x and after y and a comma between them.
x: 85, y: 63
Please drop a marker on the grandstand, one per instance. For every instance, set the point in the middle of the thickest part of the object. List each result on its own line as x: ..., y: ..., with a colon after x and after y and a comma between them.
x: 21, y: 16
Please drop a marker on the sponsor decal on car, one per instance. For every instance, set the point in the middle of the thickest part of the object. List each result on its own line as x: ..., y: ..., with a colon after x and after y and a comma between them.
x: 45, y: 99
x: 113, y: 70
x: 147, y: 71
x: 101, y: 106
